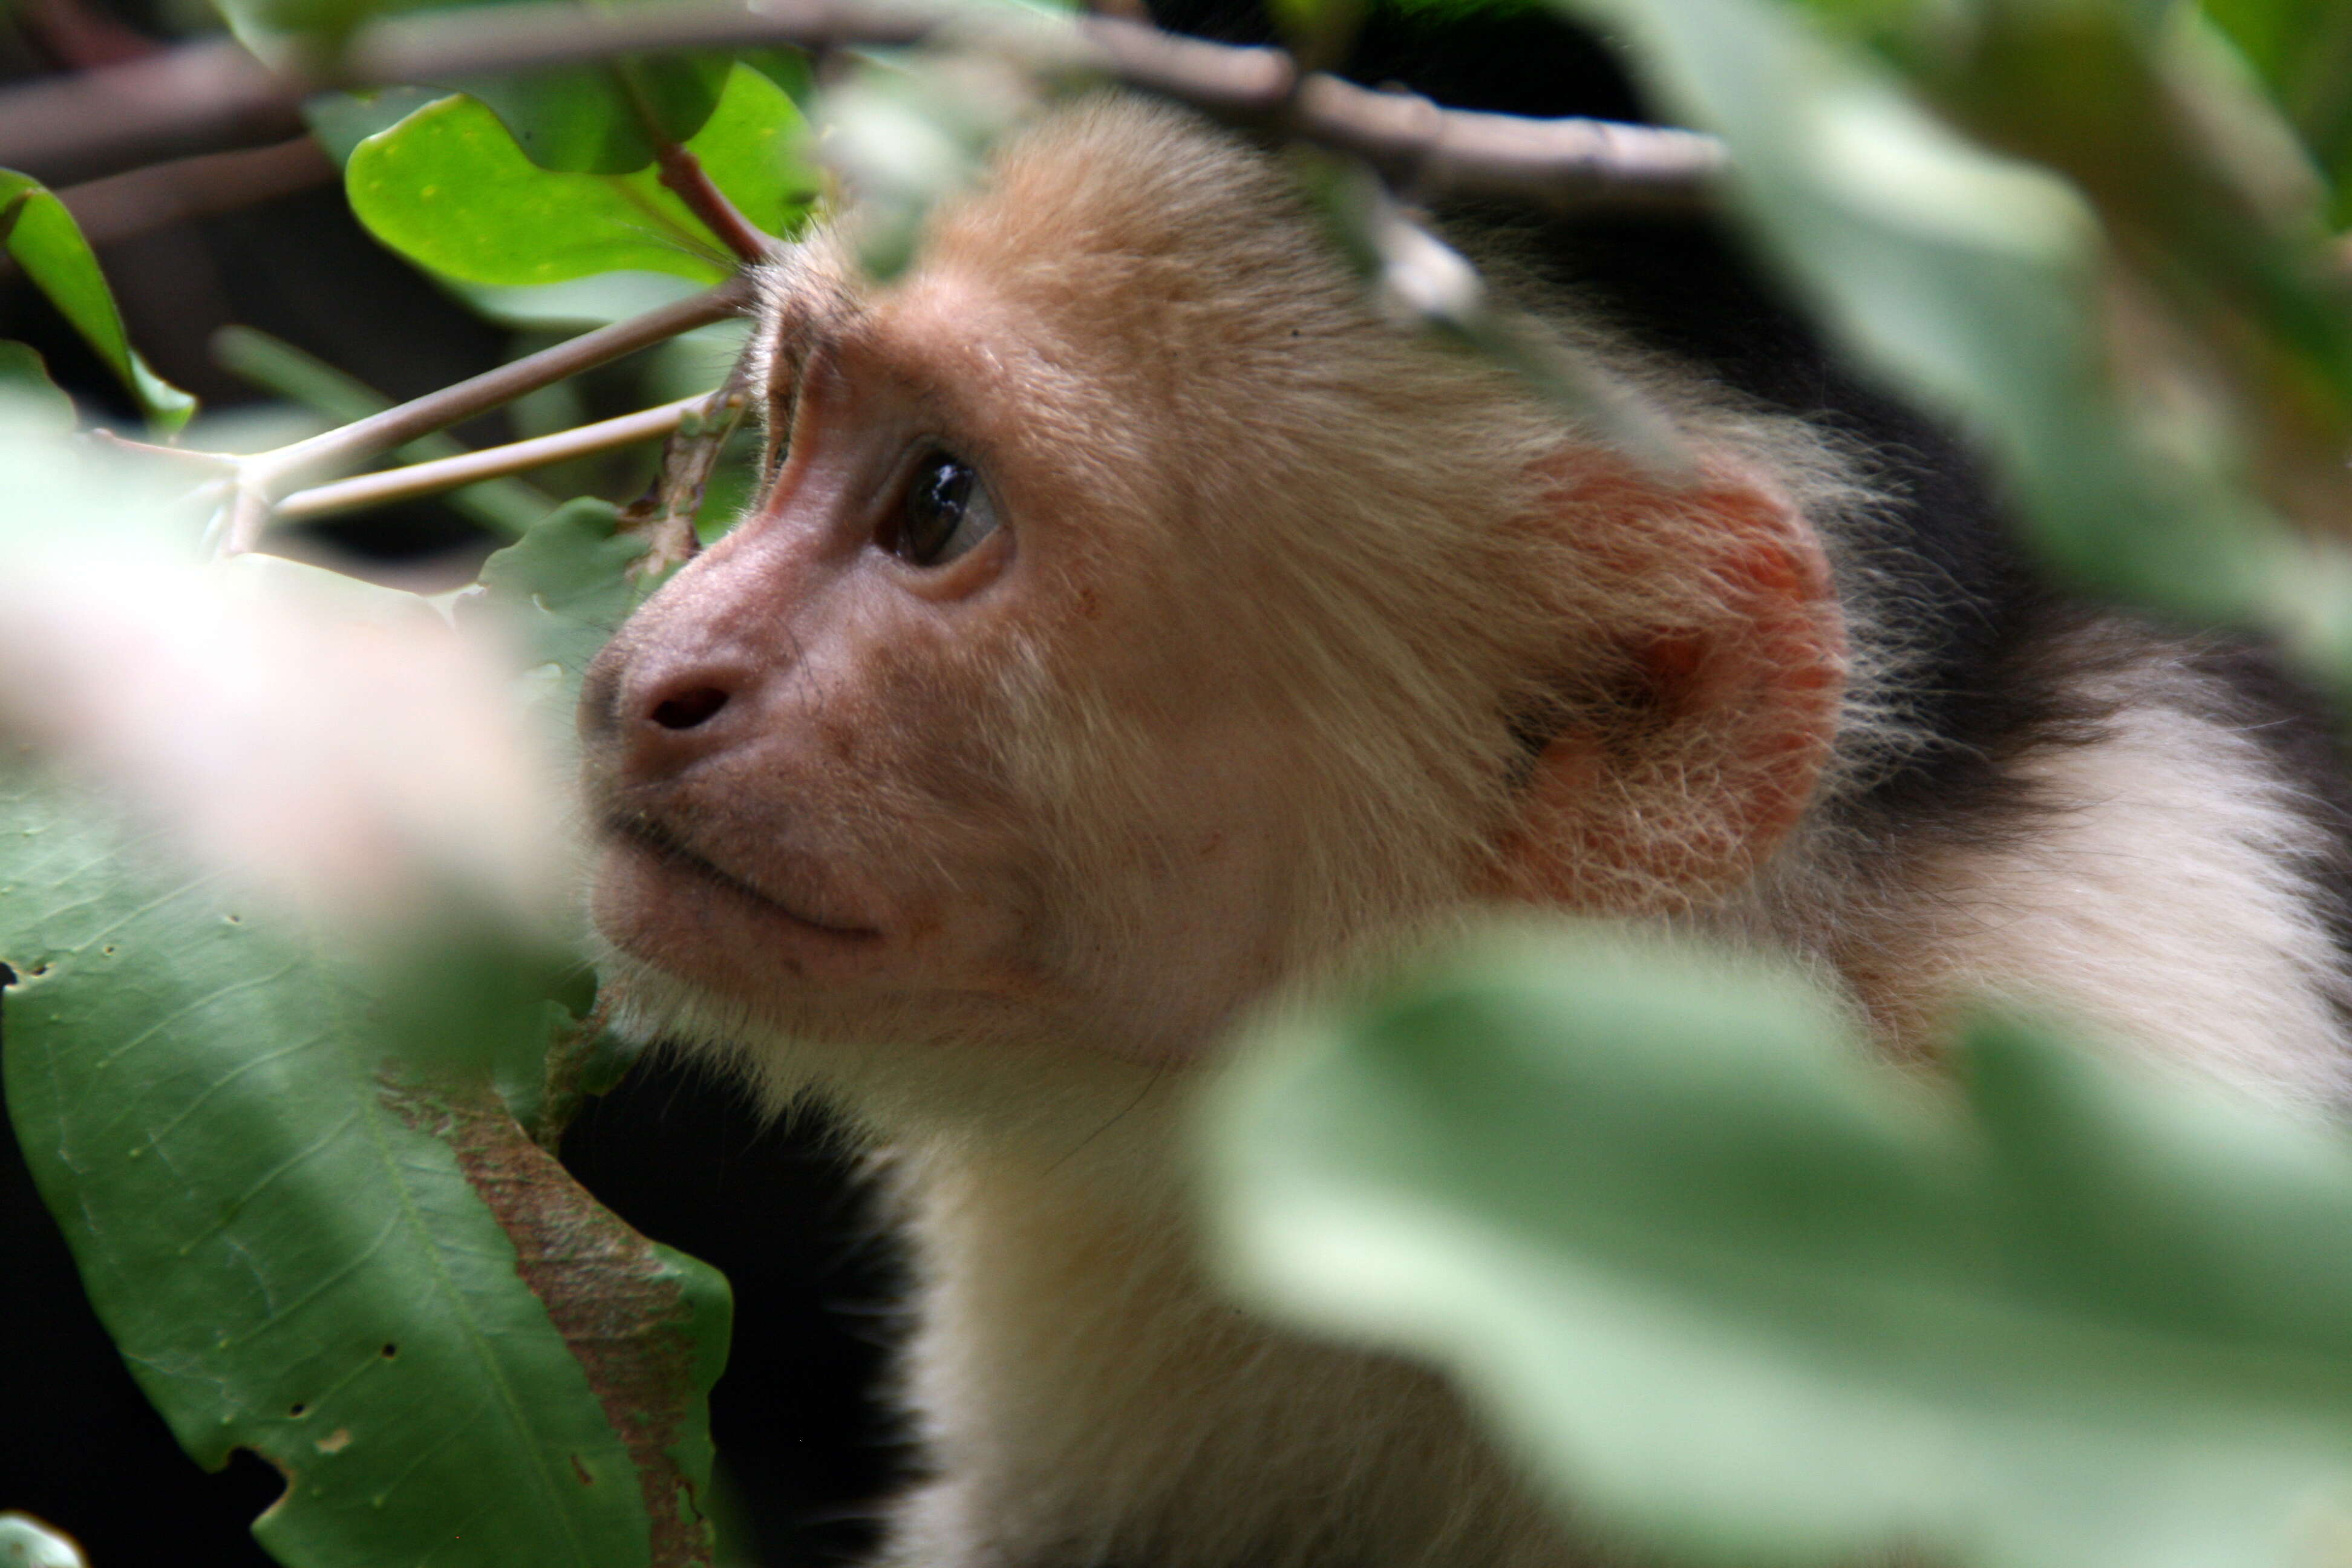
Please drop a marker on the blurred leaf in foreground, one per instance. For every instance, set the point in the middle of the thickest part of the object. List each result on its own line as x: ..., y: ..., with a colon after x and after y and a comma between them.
x: 1742, y: 1294
x: 448, y: 188
x: 44, y: 239
x: 27, y: 1542
x: 25, y: 379
x: 1970, y: 278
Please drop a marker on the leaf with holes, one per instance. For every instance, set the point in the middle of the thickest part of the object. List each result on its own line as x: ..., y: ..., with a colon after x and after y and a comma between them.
x: 307, y: 1246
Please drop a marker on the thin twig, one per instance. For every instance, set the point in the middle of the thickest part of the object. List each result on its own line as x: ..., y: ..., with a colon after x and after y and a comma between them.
x: 504, y: 506
x: 489, y: 463
x: 274, y: 474
x: 205, y: 89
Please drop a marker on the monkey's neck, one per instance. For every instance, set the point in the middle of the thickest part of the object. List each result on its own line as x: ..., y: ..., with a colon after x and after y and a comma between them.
x: 1090, y: 1400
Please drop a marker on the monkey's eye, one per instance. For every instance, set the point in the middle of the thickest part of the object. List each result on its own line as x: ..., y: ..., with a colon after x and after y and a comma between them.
x: 945, y: 511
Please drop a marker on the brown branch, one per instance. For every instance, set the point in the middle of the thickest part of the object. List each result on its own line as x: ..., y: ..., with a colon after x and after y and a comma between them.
x: 271, y: 475
x: 188, y: 98
x: 209, y: 89
x: 683, y: 172
x: 123, y: 206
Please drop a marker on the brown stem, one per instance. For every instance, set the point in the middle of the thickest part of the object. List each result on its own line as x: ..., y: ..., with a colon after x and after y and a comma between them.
x: 683, y: 172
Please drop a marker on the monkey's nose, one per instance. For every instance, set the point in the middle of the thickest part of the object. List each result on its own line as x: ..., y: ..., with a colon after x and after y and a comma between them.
x: 660, y: 722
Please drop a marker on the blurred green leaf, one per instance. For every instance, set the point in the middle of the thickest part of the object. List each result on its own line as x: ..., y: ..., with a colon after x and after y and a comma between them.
x: 26, y: 380
x: 564, y: 588
x: 448, y: 188
x: 340, y: 121
x: 907, y: 131
x: 27, y: 1542
x: 48, y: 244
x: 2301, y: 49
x: 1973, y: 278
x: 597, y: 118
x: 1730, y: 1286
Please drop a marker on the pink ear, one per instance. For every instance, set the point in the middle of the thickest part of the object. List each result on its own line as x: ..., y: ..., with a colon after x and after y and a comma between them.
x: 1742, y: 661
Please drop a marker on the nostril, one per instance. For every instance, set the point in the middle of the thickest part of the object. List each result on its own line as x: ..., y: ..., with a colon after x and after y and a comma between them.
x: 689, y: 708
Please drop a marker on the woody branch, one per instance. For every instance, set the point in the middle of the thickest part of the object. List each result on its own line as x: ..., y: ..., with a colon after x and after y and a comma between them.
x: 207, y: 91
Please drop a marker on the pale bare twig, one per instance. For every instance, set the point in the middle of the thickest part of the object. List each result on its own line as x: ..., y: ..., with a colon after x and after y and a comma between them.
x: 207, y: 89
x: 433, y: 476
x: 259, y: 482
x: 274, y: 474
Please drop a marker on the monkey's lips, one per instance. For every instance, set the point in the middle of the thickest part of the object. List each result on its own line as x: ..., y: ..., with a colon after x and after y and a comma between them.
x: 668, y: 904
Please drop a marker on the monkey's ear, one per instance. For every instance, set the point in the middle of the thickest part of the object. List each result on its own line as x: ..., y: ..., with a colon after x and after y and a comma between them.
x: 1730, y: 669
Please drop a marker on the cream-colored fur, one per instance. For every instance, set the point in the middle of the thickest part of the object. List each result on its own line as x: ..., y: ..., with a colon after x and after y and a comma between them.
x: 1341, y: 623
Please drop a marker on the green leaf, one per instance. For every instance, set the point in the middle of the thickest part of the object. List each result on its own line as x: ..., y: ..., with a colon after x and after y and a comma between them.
x: 27, y: 1542
x: 287, y: 1255
x: 2303, y: 51
x: 43, y: 238
x: 448, y: 188
x: 307, y: 1240
x: 1970, y: 278
x: 25, y: 380
x: 1730, y: 1287
x: 586, y: 119
x: 567, y: 583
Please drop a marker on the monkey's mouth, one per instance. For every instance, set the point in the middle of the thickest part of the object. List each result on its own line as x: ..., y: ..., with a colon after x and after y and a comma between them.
x: 649, y: 836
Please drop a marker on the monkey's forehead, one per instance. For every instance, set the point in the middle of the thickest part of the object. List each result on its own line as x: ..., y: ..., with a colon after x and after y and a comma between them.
x: 1120, y: 214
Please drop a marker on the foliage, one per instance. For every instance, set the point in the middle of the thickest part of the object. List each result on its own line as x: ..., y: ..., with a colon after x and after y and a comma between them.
x: 448, y: 188
x: 1745, y: 1293
x: 42, y: 238
x: 1727, y: 1285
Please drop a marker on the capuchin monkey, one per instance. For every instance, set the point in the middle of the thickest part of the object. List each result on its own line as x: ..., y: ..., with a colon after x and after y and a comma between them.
x: 1139, y: 628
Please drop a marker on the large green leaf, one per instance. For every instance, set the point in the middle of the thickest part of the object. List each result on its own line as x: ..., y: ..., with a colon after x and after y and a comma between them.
x: 593, y: 120
x: 1737, y: 1291
x: 294, y: 1179
x: 448, y: 188
x: 287, y: 1253
x: 43, y: 238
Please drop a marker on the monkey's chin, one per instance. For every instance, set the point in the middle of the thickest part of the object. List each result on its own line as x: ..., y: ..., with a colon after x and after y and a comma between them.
x: 691, y: 919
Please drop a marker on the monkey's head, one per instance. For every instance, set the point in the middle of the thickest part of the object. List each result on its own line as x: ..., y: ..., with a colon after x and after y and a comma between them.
x: 1138, y: 620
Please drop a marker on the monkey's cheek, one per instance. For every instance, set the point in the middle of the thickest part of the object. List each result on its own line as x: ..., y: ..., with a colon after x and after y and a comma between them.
x: 716, y: 936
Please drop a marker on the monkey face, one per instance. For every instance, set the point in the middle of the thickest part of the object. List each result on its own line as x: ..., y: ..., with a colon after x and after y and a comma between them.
x: 1139, y: 620
x: 911, y: 750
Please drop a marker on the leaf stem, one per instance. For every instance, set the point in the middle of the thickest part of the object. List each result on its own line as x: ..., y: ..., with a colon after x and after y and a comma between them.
x: 489, y: 463
x: 683, y: 172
